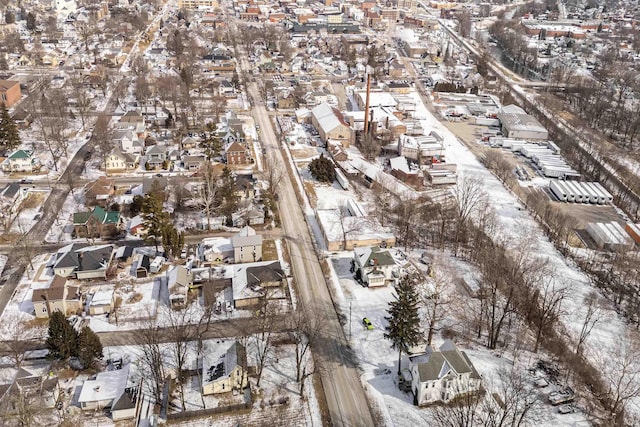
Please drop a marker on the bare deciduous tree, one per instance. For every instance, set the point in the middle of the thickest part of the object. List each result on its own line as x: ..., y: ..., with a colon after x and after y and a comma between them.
x: 592, y: 316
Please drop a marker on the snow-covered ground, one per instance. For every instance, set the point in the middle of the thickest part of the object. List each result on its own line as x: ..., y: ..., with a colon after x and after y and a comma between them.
x: 516, y: 223
x: 62, y: 228
x: 379, y: 361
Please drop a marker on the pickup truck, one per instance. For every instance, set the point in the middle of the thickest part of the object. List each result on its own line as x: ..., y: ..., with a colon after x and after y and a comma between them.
x: 565, y: 395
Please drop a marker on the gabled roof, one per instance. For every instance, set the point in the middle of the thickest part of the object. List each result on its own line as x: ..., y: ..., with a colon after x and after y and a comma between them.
x: 83, y: 258
x: 235, y: 147
x: 371, y: 256
x: 328, y: 118
x: 246, y: 237
x: 435, y: 365
x: 107, y: 386
x: 20, y: 154
x: 101, y: 215
x: 10, y: 191
x: 219, y: 362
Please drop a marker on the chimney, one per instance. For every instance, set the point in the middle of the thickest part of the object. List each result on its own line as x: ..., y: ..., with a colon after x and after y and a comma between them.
x: 80, y: 261
x: 366, y: 105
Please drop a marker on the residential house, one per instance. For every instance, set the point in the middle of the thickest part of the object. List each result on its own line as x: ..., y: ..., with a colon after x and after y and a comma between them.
x: 9, y: 92
x: 156, y: 156
x: 193, y: 163
x: 224, y: 367
x: 154, y: 184
x: 249, y: 281
x: 105, y: 390
x: 440, y: 376
x: 374, y: 266
x: 286, y: 100
x: 117, y: 161
x: 226, y: 89
x: 247, y: 246
x: 179, y: 281
x: 188, y: 142
x: 237, y: 154
x: 96, y: 223
x: 99, y: 192
x: 81, y: 261
x: 136, y: 226
x: 58, y: 296
x: 128, y: 142
x: 124, y: 407
x: 330, y: 124
x: 21, y: 161
x: 10, y: 199
x: 245, y: 187
x: 103, y: 301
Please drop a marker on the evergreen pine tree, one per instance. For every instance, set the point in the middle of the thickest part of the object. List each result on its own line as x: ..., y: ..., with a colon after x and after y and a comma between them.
x: 228, y: 196
x: 9, y: 136
x: 153, y: 214
x: 172, y: 239
x: 62, y: 341
x: 404, y: 322
x: 322, y: 169
x: 89, y: 347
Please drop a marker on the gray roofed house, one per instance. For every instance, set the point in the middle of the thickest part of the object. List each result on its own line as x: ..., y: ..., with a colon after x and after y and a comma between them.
x: 249, y: 281
x: 247, y: 246
x: 374, y: 266
x: 442, y: 375
x: 82, y: 261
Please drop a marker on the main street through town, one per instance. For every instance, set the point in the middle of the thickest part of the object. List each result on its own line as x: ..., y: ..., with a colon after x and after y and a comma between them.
x: 343, y: 389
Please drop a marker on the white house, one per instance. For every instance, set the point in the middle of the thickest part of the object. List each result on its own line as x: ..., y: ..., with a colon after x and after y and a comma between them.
x: 224, y: 368
x: 247, y: 246
x: 104, y: 390
x: 21, y: 161
x: 439, y: 376
x: 375, y: 266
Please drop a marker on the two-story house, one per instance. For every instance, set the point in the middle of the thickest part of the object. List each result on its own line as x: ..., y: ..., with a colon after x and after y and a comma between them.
x: 117, y: 162
x: 99, y: 192
x: 440, y: 376
x: 96, y: 223
x: 156, y: 156
x: 58, y: 296
x: 224, y: 368
x: 237, y: 154
x: 374, y: 266
x: 81, y: 261
x: 9, y: 92
x: 21, y: 161
x: 247, y: 246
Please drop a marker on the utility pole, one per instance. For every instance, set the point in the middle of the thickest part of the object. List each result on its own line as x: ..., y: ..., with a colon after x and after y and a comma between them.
x: 349, y: 320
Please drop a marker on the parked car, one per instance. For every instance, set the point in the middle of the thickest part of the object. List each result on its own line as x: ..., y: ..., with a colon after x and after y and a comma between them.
x: 367, y: 323
x: 566, y: 409
x: 541, y: 382
x: 565, y: 395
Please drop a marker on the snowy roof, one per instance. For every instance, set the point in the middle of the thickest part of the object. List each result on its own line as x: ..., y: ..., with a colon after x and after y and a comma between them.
x: 378, y: 99
x: 102, y: 296
x: 108, y: 385
x: 220, y: 359
x: 400, y: 163
x: 514, y: 118
x: 246, y: 237
x: 328, y: 117
x: 247, y: 278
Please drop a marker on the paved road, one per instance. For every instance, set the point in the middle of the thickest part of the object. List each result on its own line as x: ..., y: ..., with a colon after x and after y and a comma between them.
x: 345, y: 396
x: 218, y: 329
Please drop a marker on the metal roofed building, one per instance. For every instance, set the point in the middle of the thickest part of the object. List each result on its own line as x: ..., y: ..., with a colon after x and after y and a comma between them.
x: 516, y: 123
x: 331, y: 124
